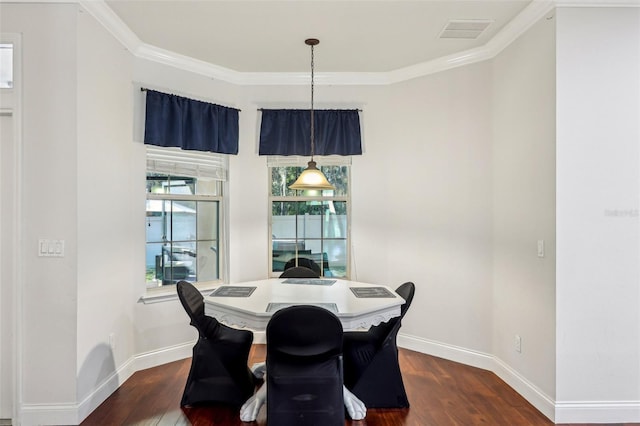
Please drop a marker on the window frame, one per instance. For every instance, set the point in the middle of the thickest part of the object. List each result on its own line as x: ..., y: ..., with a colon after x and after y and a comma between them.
x: 168, y: 292
x: 296, y: 161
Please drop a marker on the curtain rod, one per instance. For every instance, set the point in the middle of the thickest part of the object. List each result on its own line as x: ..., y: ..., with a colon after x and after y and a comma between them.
x: 315, y: 109
x: 144, y: 89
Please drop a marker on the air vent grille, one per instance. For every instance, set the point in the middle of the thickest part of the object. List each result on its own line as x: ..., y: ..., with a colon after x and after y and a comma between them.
x: 465, y: 29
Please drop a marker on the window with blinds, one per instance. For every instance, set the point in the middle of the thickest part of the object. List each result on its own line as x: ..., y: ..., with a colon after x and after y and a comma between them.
x: 184, y: 216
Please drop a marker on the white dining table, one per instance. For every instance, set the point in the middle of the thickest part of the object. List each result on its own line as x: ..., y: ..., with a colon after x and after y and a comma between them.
x: 251, y: 304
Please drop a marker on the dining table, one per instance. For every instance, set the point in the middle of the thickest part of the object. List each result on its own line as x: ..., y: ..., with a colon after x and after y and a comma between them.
x: 251, y: 304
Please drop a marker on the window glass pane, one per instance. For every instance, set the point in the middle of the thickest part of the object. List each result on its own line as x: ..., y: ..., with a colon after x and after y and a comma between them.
x: 208, y: 261
x: 158, y: 220
x: 182, y: 186
x: 207, y: 220
x: 183, y: 225
x: 157, y: 183
x: 310, y: 223
x: 208, y: 187
x: 336, y: 258
x: 179, y: 262
x: 281, y: 178
x: 154, y: 265
x: 163, y: 184
x: 168, y: 263
x: 6, y: 66
x: 335, y: 219
x: 283, y: 219
x: 337, y: 176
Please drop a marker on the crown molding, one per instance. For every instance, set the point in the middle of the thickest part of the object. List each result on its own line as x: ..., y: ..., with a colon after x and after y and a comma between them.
x: 516, y: 27
x: 112, y: 22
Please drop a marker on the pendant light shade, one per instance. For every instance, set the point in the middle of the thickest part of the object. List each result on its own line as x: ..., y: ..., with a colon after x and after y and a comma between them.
x: 312, y: 177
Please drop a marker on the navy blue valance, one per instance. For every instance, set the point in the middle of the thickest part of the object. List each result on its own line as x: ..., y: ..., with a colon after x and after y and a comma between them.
x: 288, y: 132
x: 174, y: 121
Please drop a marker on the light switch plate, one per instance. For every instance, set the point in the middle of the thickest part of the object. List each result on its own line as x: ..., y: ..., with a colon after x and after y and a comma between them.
x: 50, y: 248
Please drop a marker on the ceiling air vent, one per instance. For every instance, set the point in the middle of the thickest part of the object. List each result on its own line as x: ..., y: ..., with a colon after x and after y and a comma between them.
x: 466, y: 29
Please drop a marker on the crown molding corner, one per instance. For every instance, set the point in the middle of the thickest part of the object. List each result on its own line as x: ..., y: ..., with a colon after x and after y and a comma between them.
x: 167, y: 57
x: 112, y: 22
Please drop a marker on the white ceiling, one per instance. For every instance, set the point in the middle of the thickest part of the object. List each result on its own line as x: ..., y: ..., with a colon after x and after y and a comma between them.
x: 356, y: 36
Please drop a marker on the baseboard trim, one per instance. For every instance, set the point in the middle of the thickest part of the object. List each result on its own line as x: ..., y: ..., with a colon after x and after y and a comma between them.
x: 485, y: 361
x: 598, y: 412
x: 442, y: 350
x: 163, y: 356
x: 536, y: 397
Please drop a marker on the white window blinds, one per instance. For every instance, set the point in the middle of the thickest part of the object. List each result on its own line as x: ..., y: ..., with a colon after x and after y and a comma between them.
x: 300, y: 161
x: 178, y: 162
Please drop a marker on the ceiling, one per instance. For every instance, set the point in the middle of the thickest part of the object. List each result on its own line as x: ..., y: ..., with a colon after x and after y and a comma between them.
x: 356, y: 36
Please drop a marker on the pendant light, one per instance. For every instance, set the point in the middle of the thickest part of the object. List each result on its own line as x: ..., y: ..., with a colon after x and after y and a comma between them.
x: 312, y: 177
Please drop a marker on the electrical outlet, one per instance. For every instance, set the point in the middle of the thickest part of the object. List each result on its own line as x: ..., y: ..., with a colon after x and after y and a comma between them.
x: 518, y: 343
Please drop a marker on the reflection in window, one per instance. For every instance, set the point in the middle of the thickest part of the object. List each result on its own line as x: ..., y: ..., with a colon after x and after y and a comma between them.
x: 182, y: 230
x: 310, y: 225
x: 6, y: 66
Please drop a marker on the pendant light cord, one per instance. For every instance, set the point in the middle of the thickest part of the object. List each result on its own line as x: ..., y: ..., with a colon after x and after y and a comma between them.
x: 312, y: 126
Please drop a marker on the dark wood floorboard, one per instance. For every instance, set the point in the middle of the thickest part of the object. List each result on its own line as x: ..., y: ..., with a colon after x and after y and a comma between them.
x: 441, y: 393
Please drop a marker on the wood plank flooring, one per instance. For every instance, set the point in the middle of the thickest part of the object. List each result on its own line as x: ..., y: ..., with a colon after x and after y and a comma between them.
x: 441, y: 393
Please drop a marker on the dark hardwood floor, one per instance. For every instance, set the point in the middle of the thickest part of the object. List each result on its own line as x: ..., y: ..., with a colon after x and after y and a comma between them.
x: 441, y: 393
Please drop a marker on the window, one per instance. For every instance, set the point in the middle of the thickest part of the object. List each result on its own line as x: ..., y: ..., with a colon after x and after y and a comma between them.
x: 311, y: 225
x: 6, y: 66
x: 183, y: 216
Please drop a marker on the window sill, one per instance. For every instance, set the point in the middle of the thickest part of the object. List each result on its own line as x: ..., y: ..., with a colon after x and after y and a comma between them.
x: 165, y: 296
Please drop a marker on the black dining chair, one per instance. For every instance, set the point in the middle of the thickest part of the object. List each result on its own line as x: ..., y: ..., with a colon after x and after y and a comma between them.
x: 219, y: 371
x: 371, y: 369
x: 304, y: 368
x: 299, y: 272
x: 303, y: 261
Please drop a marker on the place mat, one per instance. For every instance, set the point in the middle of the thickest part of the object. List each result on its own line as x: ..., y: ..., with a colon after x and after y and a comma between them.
x: 233, y: 291
x: 272, y: 307
x: 308, y: 281
x: 371, y: 292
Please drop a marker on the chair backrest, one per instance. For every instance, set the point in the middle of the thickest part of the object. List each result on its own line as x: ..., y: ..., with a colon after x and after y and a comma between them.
x: 389, y: 330
x: 304, y: 367
x: 299, y: 272
x: 406, y: 291
x: 304, y: 332
x: 193, y: 303
x: 303, y: 261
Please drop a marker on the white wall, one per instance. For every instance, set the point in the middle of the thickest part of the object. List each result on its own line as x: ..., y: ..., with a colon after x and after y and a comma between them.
x: 421, y: 203
x: 49, y: 289
x: 523, y: 165
x: 108, y: 249
x: 598, y: 190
